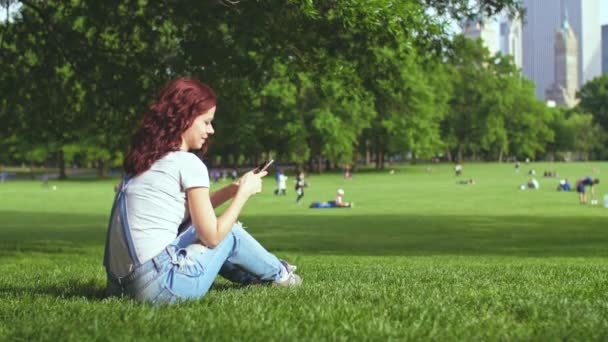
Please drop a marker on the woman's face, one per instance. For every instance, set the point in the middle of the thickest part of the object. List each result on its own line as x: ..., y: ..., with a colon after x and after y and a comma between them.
x: 196, y: 135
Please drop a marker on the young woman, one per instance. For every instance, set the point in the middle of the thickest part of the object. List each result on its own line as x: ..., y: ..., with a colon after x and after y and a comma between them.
x: 164, y: 241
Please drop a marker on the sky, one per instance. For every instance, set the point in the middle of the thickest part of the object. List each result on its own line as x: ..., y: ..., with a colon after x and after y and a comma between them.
x: 603, y: 12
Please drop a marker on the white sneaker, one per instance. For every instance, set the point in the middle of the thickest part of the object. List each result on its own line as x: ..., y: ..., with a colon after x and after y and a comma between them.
x: 289, y: 279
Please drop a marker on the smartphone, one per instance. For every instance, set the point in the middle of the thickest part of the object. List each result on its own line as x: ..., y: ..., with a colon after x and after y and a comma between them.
x: 263, y: 166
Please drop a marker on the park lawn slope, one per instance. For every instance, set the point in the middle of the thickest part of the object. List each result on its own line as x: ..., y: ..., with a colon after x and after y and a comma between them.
x: 418, y: 257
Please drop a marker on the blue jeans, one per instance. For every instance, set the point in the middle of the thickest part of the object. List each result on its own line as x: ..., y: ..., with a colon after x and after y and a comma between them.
x: 186, y: 269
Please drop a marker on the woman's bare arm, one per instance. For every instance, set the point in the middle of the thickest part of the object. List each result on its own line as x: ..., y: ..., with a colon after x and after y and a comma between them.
x: 224, y: 194
x: 212, y: 229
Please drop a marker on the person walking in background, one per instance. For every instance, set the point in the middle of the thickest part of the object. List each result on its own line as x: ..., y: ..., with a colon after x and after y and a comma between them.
x: 277, y: 178
x: 234, y: 174
x: 347, y: 172
x: 282, y: 185
x: 216, y: 175
x: 581, y: 184
x: 300, y: 184
x: 458, y: 169
x: 155, y: 250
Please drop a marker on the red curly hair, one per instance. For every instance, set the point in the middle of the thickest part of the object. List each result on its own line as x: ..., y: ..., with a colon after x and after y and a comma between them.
x: 164, y: 122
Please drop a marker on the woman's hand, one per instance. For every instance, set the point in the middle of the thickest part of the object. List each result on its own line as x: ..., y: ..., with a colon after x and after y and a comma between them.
x: 251, y: 183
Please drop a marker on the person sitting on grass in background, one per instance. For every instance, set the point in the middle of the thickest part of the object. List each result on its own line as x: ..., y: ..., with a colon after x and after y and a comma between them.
x: 532, y: 184
x: 155, y: 250
x: 339, y: 200
x: 550, y: 173
x: 580, y: 188
x: 564, y: 185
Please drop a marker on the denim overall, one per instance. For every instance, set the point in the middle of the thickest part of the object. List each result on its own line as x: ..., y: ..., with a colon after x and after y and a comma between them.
x: 185, y: 269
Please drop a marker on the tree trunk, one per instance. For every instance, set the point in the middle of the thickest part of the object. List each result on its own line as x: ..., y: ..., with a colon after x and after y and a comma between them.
x: 32, y: 174
x: 319, y: 164
x: 380, y: 163
x: 459, y: 157
x: 500, y: 156
x: 61, y: 161
x: 102, y: 168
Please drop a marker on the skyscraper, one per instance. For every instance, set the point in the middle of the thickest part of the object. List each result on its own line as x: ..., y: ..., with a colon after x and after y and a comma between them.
x: 543, y: 18
x: 563, y: 89
x: 511, y: 39
x: 605, y: 49
x: 486, y: 30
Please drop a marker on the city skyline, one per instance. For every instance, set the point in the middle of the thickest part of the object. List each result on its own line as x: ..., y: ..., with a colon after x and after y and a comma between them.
x: 543, y: 19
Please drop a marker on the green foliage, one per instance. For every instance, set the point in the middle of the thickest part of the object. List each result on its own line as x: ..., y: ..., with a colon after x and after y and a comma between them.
x: 493, y: 108
x: 302, y: 80
x: 594, y: 99
x: 38, y: 154
x: 473, y: 10
x: 579, y: 133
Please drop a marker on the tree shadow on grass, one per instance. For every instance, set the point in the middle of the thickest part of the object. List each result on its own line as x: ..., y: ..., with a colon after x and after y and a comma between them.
x: 89, y: 289
x: 419, y: 235
x: 407, y: 235
x: 92, y: 290
x: 52, y: 236
x: 50, y: 233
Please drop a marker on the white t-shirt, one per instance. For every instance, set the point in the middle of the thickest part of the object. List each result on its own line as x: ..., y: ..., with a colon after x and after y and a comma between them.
x: 282, y: 181
x: 156, y: 201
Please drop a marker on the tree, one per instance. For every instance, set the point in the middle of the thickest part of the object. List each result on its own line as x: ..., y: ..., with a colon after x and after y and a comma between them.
x: 463, y: 125
x: 299, y: 79
x: 84, y: 69
x: 471, y: 10
x: 594, y: 99
x: 577, y: 132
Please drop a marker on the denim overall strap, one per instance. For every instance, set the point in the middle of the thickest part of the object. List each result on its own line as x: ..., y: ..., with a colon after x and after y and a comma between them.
x: 125, y: 224
x: 106, y: 256
x: 120, y: 226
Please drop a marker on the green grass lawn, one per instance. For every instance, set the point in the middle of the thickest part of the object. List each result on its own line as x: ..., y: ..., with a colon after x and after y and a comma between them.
x: 419, y: 257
